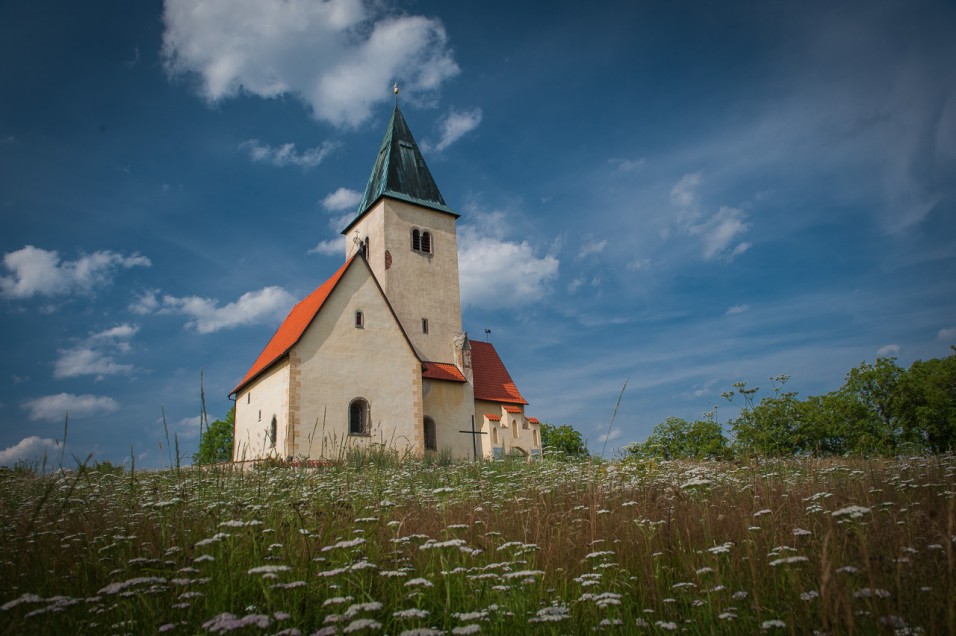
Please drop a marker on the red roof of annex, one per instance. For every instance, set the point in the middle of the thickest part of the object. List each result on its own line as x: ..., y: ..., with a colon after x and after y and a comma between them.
x: 492, y: 381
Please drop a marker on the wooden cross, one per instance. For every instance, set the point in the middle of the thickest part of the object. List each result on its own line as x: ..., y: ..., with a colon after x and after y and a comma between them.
x: 474, y: 438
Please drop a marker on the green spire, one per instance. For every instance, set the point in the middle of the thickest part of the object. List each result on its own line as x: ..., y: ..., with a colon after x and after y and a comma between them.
x: 400, y: 172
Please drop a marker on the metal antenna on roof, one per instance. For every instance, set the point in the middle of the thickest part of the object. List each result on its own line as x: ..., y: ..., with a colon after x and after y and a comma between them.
x: 487, y: 335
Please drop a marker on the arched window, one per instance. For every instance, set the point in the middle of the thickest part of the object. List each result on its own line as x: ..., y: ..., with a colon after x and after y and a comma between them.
x: 365, y: 247
x: 359, y: 320
x: 431, y: 435
x: 273, y: 431
x: 358, y: 417
x: 426, y: 242
x: 416, y: 240
x: 534, y: 437
x: 494, y: 435
x: 514, y: 429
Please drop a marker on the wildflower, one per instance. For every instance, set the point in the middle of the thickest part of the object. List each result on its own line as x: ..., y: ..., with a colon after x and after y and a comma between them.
x: 704, y: 570
x: 371, y: 606
x: 772, y: 624
x: 411, y: 613
x: 739, y: 596
x: 421, y: 631
x: 473, y: 628
x: 552, y: 614
x: 847, y: 569
x: 727, y: 616
x: 471, y: 616
x: 854, y: 512
x: 344, y: 544
x: 227, y: 622
x: 431, y: 544
x: 419, y: 582
x: 116, y: 588
x: 336, y: 600
x: 696, y: 482
x: 800, y: 532
x: 721, y: 549
x: 789, y: 560
x: 269, y: 569
x: 361, y: 623
x: 809, y: 596
x: 867, y: 592
x: 666, y: 626
x: 760, y: 513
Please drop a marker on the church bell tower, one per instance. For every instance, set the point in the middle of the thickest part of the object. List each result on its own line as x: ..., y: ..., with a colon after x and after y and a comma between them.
x: 407, y: 234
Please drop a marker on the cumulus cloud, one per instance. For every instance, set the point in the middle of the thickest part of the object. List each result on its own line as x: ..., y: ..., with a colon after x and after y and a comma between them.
x: 286, y: 155
x: 341, y: 200
x: 266, y: 305
x: 94, y: 356
x: 684, y: 193
x: 339, y: 57
x: 888, y: 350
x: 609, y: 437
x: 736, y: 309
x: 53, y: 408
x: 453, y: 127
x: 331, y: 247
x: 627, y: 165
x: 38, y: 272
x: 496, y: 270
x: 27, y: 449
x: 948, y: 334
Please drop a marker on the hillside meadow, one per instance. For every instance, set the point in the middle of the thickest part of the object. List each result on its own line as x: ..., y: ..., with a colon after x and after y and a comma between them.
x: 376, y: 546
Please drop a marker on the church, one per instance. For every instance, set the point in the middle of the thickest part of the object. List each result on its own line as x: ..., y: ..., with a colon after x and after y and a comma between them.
x: 376, y: 355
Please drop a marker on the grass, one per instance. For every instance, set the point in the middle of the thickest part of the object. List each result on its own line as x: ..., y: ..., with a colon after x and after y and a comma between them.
x: 839, y: 546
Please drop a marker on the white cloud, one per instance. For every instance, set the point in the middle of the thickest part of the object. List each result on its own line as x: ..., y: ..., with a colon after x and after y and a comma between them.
x: 454, y: 127
x: 339, y: 57
x: 263, y: 306
x: 39, y: 272
x: 53, y: 408
x: 331, y: 247
x: 684, y: 192
x: 285, y: 155
x: 948, y: 334
x: 27, y: 449
x: 628, y: 165
x: 93, y: 356
x: 145, y: 303
x: 498, y: 271
x: 341, y: 200
x: 609, y: 437
x: 188, y: 427
x: 639, y: 264
x: 87, y: 361
x: 736, y: 309
x: 719, y: 232
x: 888, y: 350
x: 592, y: 247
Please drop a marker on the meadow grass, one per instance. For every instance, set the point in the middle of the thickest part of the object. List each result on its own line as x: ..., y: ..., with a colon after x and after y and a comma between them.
x: 371, y: 545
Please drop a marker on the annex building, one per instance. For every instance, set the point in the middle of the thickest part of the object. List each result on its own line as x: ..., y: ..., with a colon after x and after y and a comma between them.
x: 377, y: 354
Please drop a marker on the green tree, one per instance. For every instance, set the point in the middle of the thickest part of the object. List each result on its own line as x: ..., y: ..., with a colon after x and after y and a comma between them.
x: 216, y: 444
x: 563, y: 441
x: 879, y: 389
x: 927, y: 410
x: 675, y: 438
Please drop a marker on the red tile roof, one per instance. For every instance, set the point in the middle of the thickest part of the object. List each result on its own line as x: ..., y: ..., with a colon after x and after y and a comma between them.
x: 513, y: 409
x: 534, y: 420
x: 492, y: 381
x: 442, y: 371
x: 493, y: 418
x: 293, y: 326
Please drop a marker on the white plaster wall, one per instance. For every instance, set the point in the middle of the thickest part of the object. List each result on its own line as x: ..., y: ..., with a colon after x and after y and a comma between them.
x: 269, y: 395
x: 451, y: 405
x: 423, y: 286
x: 338, y: 362
x: 526, y: 440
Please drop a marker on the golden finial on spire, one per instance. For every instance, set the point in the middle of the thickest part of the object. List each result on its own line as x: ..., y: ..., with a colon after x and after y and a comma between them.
x: 395, y: 90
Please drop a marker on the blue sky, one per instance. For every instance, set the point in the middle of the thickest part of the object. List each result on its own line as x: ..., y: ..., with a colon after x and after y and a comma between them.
x: 682, y: 194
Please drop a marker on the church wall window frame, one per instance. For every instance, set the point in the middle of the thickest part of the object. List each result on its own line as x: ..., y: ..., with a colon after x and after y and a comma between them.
x: 359, y: 319
x: 425, y: 326
x: 514, y: 428
x: 422, y: 242
x: 359, y: 416
x: 273, y: 432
